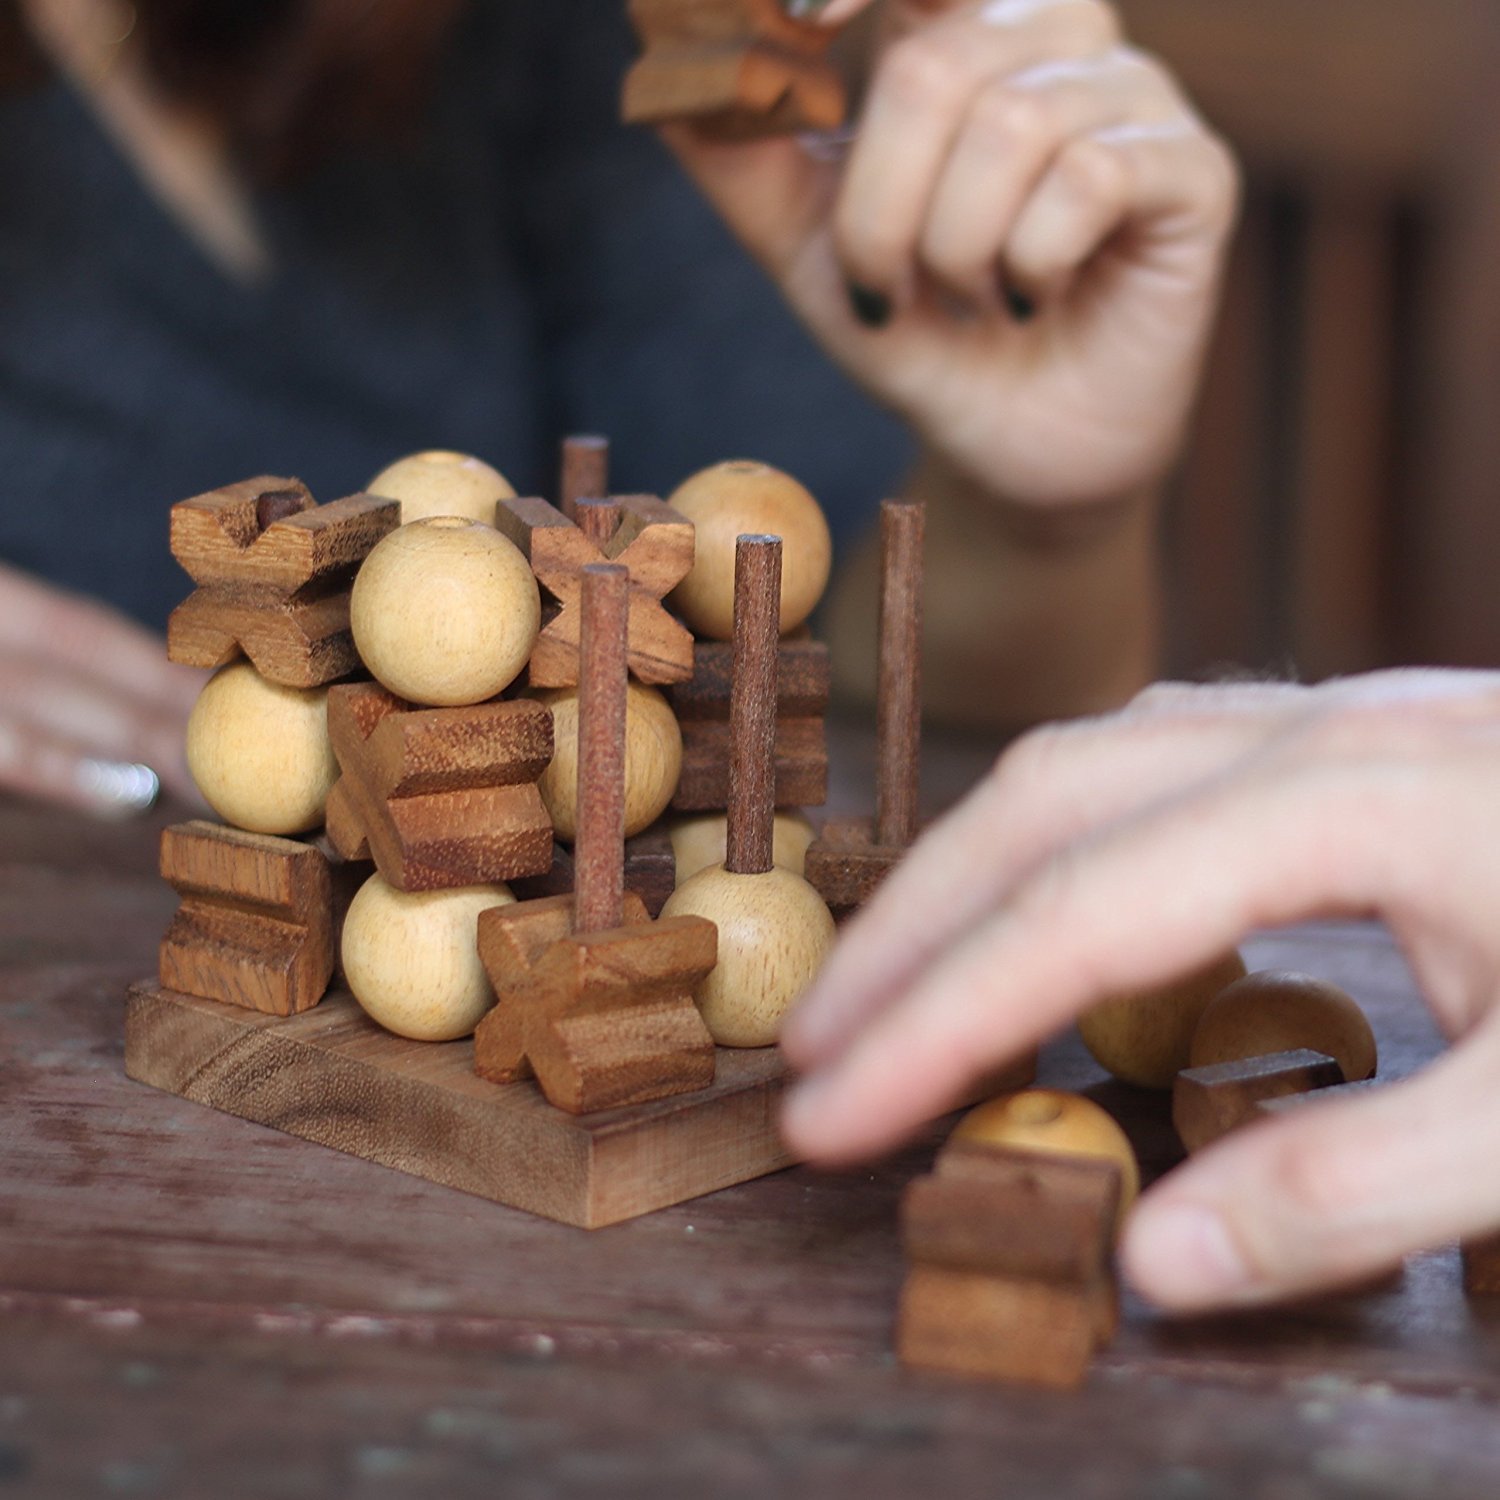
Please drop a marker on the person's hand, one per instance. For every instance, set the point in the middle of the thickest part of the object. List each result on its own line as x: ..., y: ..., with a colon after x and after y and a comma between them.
x: 1006, y: 149
x: 89, y: 705
x: 1118, y: 853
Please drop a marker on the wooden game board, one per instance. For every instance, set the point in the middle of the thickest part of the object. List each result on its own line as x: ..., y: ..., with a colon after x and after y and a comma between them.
x: 332, y: 1076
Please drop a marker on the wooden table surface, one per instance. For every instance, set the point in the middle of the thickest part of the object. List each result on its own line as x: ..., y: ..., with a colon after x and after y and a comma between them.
x: 192, y: 1305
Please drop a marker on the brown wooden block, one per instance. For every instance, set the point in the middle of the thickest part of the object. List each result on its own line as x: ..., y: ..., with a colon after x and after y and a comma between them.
x: 739, y: 68
x: 439, y: 797
x: 332, y: 1076
x: 1482, y: 1267
x: 601, y: 1019
x: 653, y: 541
x: 702, y: 708
x: 650, y: 871
x: 998, y: 1328
x: 274, y: 573
x: 846, y: 866
x: 256, y: 924
x: 1208, y: 1103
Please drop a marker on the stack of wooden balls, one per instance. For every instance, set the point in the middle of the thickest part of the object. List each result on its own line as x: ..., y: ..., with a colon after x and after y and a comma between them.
x: 444, y: 613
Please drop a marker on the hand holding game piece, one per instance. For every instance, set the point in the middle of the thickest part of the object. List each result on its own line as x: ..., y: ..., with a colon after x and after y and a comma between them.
x: 774, y: 929
x: 1110, y: 855
x: 439, y: 483
x: 445, y: 611
x: 1021, y: 249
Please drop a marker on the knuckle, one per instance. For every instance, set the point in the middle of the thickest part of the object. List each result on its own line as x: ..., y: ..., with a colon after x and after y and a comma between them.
x: 919, y: 71
x: 1100, y: 25
x: 1004, y: 118
x: 1095, y: 173
x: 1221, y: 181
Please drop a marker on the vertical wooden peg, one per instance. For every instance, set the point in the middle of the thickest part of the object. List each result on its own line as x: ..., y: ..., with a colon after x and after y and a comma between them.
x: 585, y: 472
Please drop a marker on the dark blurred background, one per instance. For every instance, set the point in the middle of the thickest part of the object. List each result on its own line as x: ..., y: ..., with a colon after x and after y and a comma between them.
x: 1340, y: 505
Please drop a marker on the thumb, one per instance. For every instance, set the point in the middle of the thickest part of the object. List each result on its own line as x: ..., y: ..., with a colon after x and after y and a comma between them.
x: 1328, y: 1194
x: 773, y: 194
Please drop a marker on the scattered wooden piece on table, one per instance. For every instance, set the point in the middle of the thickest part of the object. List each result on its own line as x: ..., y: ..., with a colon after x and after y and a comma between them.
x: 273, y: 572
x: 441, y: 483
x: 439, y: 798
x: 738, y: 68
x: 595, y: 1000
x: 774, y: 929
x: 702, y: 706
x: 1208, y: 1103
x: 256, y: 924
x: 1010, y: 1274
x: 652, y: 541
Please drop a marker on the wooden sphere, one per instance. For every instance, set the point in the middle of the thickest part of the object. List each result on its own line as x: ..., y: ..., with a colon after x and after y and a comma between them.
x: 440, y: 483
x: 702, y: 840
x: 445, y: 612
x: 1050, y: 1120
x: 260, y: 753
x: 1145, y: 1037
x: 738, y: 498
x: 774, y: 934
x: 412, y: 958
x: 653, y: 759
x: 1277, y: 1011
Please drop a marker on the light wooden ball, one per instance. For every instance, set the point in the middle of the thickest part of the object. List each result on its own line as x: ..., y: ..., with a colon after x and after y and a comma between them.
x: 742, y: 498
x: 445, y: 612
x: 260, y: 752
x: 703, y: 840
x: 1278, y: 1011
x: 411, y: 959
x: 774, y: 934
x: 441, y: 483
x: 1050, y: 1120
x: 1145, y: 1037
x: 653, y: 759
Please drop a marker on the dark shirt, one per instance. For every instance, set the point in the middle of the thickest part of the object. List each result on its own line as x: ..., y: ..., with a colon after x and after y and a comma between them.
x: 526, y: 269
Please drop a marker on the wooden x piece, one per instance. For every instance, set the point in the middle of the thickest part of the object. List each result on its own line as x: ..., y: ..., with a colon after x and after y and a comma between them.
x: 601, y: 1020
x: 256, y: 924
x: 439, y: 797
x: 1010, y: 1265
x: 274, y: 573
x: 653, y: 541
x: 702, y: 709
x: 738, y: 68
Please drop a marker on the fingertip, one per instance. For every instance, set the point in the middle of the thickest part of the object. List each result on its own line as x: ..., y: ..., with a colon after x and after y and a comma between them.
x: 1181, y: 1256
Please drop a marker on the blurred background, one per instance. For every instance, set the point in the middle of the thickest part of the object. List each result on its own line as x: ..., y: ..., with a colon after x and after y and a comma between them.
x: 1340, y: 504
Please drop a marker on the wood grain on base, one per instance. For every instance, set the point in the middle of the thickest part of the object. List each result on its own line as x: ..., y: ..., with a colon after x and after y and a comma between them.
x: 332, y: 1076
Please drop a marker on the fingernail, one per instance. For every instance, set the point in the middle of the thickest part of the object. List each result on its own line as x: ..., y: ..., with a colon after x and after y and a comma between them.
x: 805, y: 10
x: 1182, y: 1256
x: 120, y: 789
x: 1022, y: 308
x: 872, y: 308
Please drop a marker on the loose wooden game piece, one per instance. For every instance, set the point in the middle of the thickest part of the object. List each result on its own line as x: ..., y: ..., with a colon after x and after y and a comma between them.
x: 440, y: 483
x: 702, y: 841
x: 273, y: 572
x: 650, y: 872
x: 585, y: 472
x: 411, y: 961
x: 1274, y: 1011
x: 653, y: 759
x: 702, y: 708
x: 774, y: 930
x: 260, y: 752
x: 1146, y: 1037
x: 736, y: 68
x: 1051, y: 1121
x: 443, y: 797
x: 256, y: 924
x: 1010, y: 1275
x: 853, y: 855
x: 445, y: 612
x: 1208, y: 1103
x: 734, y: 499
x: 648, y: 538
x: 594, y: 1000
x: 1482, y: 1267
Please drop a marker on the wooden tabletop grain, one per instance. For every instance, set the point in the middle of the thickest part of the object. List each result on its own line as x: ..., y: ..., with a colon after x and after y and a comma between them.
x: 192, y: 1305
